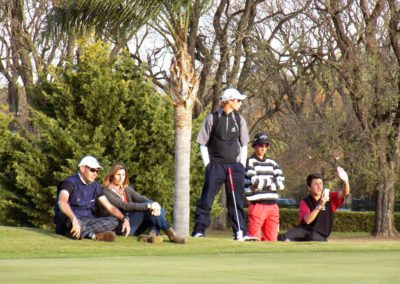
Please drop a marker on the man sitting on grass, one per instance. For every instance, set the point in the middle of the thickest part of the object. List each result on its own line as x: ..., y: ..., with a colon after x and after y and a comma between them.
x: 77, y: 197
x: 316, y: 210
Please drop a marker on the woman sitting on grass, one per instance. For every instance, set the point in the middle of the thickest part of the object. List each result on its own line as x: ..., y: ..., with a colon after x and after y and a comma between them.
x: 143, y: 213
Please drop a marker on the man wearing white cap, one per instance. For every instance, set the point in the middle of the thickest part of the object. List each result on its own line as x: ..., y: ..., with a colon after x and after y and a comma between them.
x: 77, y: 197
x: 223, y: 146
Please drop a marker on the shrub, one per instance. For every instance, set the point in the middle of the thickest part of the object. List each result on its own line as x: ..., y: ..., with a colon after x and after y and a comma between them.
x: 344, y: 221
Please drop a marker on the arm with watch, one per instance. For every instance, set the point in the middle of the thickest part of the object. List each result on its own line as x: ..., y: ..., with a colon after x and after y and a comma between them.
x: 310, y: 217
x: 126, y: 228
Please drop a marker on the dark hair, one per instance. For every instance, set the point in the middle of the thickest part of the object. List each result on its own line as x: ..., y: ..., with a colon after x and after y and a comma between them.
x: 312, y: 176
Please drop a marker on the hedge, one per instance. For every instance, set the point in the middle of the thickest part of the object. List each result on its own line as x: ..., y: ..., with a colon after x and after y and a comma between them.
x: 345, y: 221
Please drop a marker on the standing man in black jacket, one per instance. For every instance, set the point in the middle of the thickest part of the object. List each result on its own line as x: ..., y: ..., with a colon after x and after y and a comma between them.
x: 223, y: 145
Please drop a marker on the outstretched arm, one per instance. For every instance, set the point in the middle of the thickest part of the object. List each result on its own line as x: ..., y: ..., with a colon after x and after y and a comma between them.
x: 116, y: 213
x: 345, y: 178
x: 66, y: 209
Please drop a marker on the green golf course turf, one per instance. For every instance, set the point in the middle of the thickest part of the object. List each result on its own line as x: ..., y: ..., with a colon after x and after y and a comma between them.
x: 39, y: 256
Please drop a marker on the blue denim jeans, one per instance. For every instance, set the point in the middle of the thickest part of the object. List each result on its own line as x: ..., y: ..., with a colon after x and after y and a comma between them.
x: 140, y: 221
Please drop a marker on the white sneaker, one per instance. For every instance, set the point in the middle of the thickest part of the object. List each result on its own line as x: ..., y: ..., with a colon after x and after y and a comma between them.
x: 198, y: 235
x: 250, y: 239
x: 238, y: 236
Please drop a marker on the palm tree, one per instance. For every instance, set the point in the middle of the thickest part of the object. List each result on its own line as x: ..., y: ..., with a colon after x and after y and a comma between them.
x: 125, y: 18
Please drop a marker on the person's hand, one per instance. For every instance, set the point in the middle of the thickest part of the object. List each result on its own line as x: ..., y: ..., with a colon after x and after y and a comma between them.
x: 255, y: 182
x: 155, y: 209
x: 342, y: 174
x: 76, y: 228
x: 155, y: 206
x: 126, y: 227
x: 324, y: 199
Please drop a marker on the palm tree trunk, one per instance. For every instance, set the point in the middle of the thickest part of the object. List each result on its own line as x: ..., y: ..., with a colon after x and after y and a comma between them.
x: 184, y: 85
x: 183, y: 129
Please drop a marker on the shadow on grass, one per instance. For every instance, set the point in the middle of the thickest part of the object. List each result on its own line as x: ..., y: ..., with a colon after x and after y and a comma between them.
x: 228, y: 234
x: 46, y: 232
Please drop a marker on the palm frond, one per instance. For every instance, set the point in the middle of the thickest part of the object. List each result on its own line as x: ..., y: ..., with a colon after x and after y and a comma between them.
x: 102, y: 15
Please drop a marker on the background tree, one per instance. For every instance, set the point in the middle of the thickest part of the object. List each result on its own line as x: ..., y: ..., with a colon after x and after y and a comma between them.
x: 118, y: 17
x: 343, y: 77
x: 321, y: 78
x: 23, y: 55
x: 367, y: 67
x: 95, y: 108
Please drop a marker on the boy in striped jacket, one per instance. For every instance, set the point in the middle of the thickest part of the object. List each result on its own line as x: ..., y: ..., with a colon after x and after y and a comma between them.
x: 264, y: 178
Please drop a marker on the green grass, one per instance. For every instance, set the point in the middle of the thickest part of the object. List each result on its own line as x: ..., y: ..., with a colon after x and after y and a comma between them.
x: 37, y: 256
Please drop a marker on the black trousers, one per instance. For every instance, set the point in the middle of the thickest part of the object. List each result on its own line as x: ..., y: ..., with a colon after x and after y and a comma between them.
x: 302, y: 234
x: 216, y: 175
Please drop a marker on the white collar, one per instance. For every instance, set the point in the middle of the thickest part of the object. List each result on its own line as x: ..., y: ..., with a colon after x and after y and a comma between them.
x: 82, y: 179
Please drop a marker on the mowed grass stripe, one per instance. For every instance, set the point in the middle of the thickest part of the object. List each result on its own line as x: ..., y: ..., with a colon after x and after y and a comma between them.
x: 39, y: 256
x: 36, y: 243
x: 289, y: 267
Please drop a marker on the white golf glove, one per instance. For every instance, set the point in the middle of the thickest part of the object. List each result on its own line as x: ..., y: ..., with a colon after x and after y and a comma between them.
x: 243, y: 155
x: 204, y: 155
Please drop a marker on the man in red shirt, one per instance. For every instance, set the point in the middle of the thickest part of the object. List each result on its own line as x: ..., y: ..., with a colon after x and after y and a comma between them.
x: 316, y: 211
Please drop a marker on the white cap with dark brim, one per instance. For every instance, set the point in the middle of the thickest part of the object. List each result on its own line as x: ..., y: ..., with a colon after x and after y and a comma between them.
x: 231, y: 94
x: 90, y: 162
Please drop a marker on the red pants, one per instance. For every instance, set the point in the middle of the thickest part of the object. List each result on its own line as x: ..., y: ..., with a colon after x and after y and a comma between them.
x: 264, y: 221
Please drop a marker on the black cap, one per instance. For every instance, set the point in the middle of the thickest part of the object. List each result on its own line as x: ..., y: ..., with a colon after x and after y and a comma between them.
x: 260, y: 139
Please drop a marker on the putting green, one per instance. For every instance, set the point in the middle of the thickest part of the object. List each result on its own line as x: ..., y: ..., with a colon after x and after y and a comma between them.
x: 323, y: 267
x: 39, y: 256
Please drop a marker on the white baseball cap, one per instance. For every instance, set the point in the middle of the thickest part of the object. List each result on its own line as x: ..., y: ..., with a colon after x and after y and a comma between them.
x: 231, y: 94
x: 90, y: 162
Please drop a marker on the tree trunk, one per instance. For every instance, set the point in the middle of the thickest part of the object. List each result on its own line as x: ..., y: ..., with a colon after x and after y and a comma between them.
x: 23, y: 108
x: 184, y: 85
x: 21, y: 60
x: 12, y: 98
x: 384, y: 220
x: 221, y: 37
x: 183, y: 129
